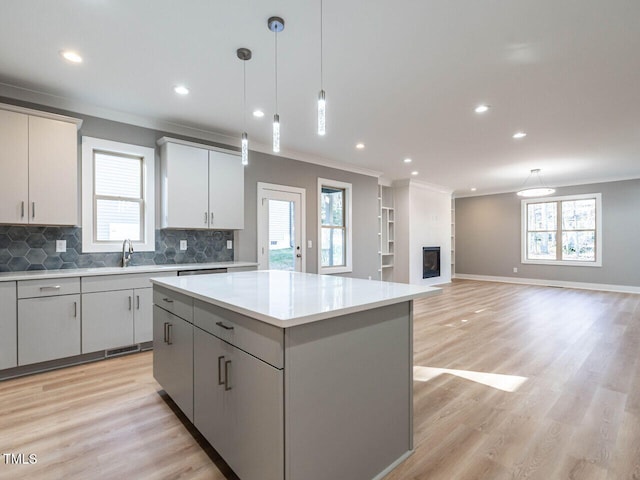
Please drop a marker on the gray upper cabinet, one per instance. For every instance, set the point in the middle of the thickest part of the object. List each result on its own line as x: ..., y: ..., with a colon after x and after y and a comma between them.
x: 39, y: 153
x: 201, y: 187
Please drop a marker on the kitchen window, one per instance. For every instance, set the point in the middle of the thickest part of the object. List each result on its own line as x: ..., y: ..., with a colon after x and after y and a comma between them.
x: 117, y: 196
x: 334, y: 228
x: 563, y: 230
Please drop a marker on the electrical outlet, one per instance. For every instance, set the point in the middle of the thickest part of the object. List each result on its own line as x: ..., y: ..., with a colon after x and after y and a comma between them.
x: 61, y: 246
x: 309, y: 244
x: 515, y: 269
x: 229, y: 244
x: 183, y: 244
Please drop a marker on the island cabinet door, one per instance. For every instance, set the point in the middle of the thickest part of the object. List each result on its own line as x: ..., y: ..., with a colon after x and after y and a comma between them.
x: 238, y: 407
x: 173, y: 358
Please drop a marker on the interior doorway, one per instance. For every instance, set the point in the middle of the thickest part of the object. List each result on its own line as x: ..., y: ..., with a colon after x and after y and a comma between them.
x: 281, y: 227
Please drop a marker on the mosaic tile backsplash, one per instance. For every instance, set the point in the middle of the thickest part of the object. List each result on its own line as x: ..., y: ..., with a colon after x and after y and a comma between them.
x: 34, y: 248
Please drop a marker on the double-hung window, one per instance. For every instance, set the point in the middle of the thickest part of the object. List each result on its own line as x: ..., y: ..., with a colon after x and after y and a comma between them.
x: 334, y: 226
x: 563, y: 230
x: 118, y: 195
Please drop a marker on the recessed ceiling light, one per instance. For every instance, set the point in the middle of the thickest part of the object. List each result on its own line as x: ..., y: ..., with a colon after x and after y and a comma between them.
x: 73, y: 57
x: 519, y: 135
x: 414, y: 173
x: 482, y: 108
x: 359, y: 146
x: 181, y: 90
x: 473, y: 189
x: 258, y: 113
x: 407, y: 160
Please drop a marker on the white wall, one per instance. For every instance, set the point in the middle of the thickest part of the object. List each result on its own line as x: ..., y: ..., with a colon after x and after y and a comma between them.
x: 423, y: 219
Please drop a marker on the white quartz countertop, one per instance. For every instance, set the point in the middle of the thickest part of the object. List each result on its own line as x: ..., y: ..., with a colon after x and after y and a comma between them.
x: 287, y: 299
x: 88, y: 272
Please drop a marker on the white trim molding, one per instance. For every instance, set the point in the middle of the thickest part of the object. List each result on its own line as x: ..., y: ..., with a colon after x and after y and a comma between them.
x: 559, y: 199
x: 348, y: 267
x: 91, y: 144
x: 604, y: 287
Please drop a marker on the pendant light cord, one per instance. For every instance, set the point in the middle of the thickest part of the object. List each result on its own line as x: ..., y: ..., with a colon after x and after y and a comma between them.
x: 276, y: 62
x: 244, y: 97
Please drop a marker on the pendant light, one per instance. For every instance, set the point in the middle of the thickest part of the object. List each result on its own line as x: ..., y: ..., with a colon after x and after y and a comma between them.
x: 321, y: 95
x: 535, y: 191
x: 276, y: 25
x: 244, y: 54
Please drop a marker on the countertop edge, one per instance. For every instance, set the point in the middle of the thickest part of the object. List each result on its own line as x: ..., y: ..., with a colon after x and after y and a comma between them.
x: 102, y: 271
x: 303, y: 320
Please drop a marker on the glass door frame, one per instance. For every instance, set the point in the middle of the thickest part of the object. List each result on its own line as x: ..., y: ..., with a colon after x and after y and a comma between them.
x: 270, y: 191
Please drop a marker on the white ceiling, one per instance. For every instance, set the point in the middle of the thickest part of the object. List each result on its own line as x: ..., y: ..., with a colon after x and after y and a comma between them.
x: 401, y: 76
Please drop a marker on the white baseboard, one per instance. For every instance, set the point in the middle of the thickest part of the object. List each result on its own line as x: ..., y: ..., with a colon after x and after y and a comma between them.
x: 551, y: 283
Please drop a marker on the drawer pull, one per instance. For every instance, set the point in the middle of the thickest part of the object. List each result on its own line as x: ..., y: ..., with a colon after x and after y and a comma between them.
x: 169, y: 330
x: 227, y: 383
x: 44, y: 289
x: 220, y: 381
x: 220, y: 324
x: 168, y: 300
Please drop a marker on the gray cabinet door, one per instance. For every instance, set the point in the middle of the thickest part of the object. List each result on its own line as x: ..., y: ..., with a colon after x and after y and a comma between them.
x: 173, y: 358
x: 107, y: 320
x: 209, y: 356
x: 238, y: 407
x: 143, y: 315
x: 48, y: 328
x: 8, y: 326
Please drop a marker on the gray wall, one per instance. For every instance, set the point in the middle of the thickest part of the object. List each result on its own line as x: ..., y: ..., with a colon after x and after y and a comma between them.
x: 487, y: 236
x: 262, y: 168
x: 284, y: 171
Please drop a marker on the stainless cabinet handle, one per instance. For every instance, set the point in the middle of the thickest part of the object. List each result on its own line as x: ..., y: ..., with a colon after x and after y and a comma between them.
x: 22, y: 210
x: 168, y: 300
x: 220, y: 324
x: 169, y: 330
x: 205, y: 218
x: 130, y: 302
x: 44, y: 289
x: 33, y: 209
x: 211, y: 224
x: 75, y: 309
x: 137, y: 302
x: 220, y: 381
x: 165, y: 332
x: 227, y: 383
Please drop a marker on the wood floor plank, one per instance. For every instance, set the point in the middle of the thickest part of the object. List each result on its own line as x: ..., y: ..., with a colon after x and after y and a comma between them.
x: 576, y: 415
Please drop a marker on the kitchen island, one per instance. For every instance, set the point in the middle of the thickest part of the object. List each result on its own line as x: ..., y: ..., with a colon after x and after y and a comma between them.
x: 291, y: 375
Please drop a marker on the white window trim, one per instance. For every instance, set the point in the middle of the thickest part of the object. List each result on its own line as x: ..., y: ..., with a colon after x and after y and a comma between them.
x: 348, y: 227
x: 523, y: 230
x: 89, y: 145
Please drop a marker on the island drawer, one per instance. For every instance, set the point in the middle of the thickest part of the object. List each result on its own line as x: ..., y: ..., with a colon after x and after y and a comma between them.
x: 177, y: 303
x: 48, y: 287
x: 257, y: 338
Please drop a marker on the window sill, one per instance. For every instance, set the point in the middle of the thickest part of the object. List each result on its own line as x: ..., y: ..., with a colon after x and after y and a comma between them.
x: 117, y: 247
x: 564, y: 263
x: 332, y: 270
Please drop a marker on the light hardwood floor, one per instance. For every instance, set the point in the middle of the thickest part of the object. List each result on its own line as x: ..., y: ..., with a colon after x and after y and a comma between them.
x: 575, y: 414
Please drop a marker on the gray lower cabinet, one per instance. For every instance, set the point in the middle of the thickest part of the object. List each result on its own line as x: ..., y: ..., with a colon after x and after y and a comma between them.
x: 107, y: 320
x: 116, y: 319
x: 48, y: 328
x: 173, y: 358
x: 238, y: 407
x: 8, y: 325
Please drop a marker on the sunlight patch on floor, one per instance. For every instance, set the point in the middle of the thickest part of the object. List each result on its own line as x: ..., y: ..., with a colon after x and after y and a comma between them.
x: 507, y: 383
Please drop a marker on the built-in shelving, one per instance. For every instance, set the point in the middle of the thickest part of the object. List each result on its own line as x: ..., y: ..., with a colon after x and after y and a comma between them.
x: 386, y: 233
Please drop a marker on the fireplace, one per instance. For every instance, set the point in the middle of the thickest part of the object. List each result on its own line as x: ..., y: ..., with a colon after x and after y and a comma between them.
x: 430, y: 262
